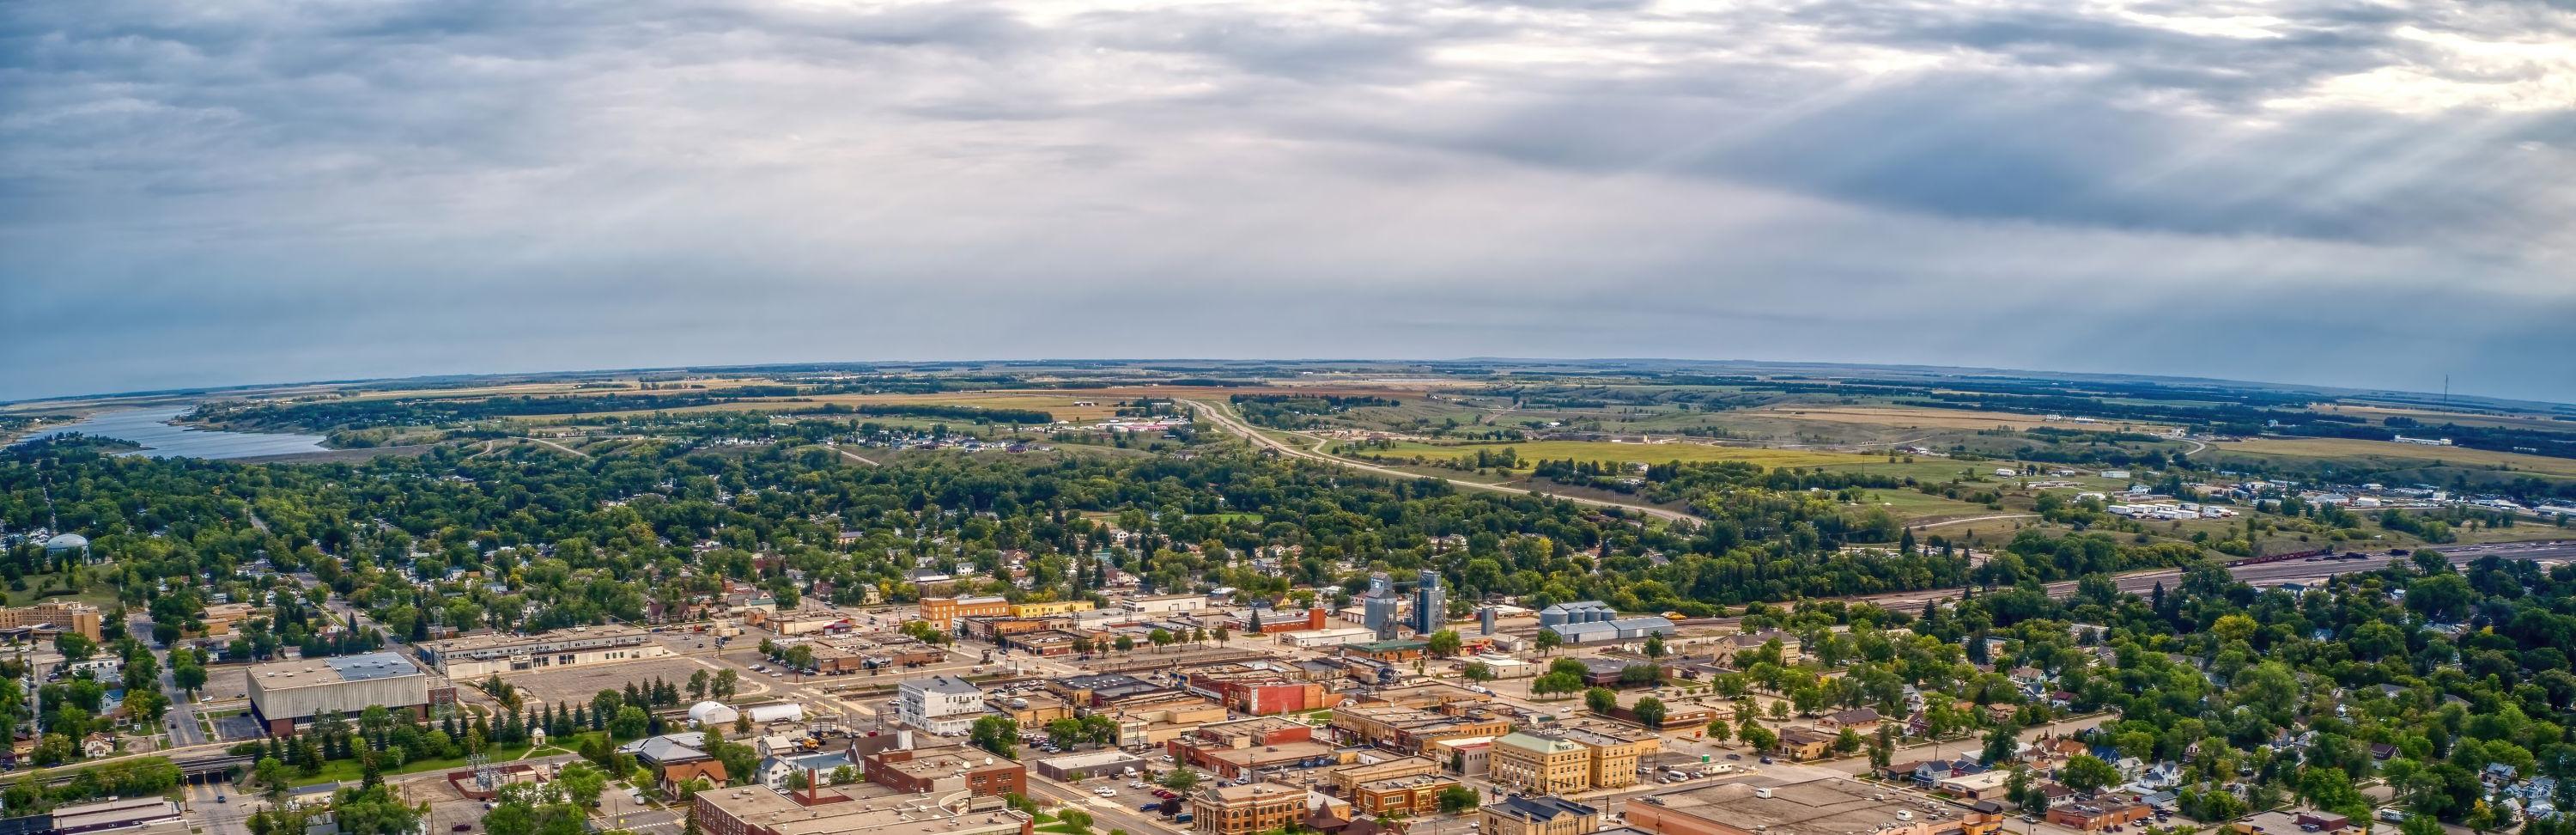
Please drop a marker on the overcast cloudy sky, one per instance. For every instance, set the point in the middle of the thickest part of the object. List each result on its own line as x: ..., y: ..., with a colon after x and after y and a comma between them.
x: 2319, y: 191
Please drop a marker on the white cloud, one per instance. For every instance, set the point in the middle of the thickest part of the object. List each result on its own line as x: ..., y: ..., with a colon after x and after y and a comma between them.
x: 275, y: 191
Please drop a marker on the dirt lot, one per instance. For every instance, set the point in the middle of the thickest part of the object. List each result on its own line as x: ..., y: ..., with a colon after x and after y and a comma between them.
x: 578, y: 684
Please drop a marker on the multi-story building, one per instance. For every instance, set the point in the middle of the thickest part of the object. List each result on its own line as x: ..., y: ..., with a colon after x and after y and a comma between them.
x: 1262, y: 690
x: 1412, y: 730
x: 1049, y: 609
x: 943, y: 612
x: 1611, y: 753
x: 1538, y: 815
x: 939, y: 704
x: 1415, y: 795
x: 947, y: 770
x: 1541, y: 763
x: 1565, y: 760
x: 54, y: 616
x: 1345, y: 778
x: 1469, y: 757
x: 1246, y: 810
x: 1240, y: 763
x: 284, y: 694
x: 475, y: 656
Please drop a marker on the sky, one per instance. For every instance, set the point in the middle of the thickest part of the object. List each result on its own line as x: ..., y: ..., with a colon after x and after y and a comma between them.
x: 2334, y: 192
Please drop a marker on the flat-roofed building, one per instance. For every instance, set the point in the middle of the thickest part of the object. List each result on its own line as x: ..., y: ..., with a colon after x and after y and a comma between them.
x: 284, y: 694
x: 1344, y: 778
x: 476, y: 656
x: 1765, y: 805
x: 940, y: 704
x: 1412, y: 730
x: 1415, y: 795
x: 1567, y: 760
x: 761, y: 811
x: 1247, y: 809
x: 1262, y: 689
x: 110, y: 815
x: 1238, y: 763
x: 54, y: 616
x: 1469, y: 757
x: 1164, y: 604
x: 1540, y: 763
x: 943, y: 612
x: 947, y: 770
x: 1537, y: 815
x: 1049, y: 609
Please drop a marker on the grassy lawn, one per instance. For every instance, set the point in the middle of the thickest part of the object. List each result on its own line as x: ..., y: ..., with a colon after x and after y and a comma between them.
x: 349, y: 771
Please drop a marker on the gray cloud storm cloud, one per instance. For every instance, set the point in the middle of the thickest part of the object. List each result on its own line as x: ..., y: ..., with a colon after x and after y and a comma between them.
x: 2368, y: 194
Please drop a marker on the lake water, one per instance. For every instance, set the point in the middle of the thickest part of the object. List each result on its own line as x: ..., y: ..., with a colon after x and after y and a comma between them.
x: 162, y: 439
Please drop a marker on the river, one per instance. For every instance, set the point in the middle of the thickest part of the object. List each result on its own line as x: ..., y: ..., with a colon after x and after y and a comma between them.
x: 161, y: 438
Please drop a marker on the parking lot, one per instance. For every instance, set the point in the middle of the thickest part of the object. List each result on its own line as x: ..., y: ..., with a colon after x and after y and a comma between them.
x: 568, y: 685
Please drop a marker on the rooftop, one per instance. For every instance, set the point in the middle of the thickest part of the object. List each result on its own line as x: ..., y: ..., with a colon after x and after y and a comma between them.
x: 1825, y: 806
x: 499, y: 644
x: 776, y: 812
x: 315, y: 672
x: 1540, y: 808
x: 943, y: 684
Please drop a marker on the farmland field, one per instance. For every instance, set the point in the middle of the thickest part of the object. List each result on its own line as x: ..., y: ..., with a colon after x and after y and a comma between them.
x: 2392, y: 452
x: 1619, y: 452
x: 1914, y: 416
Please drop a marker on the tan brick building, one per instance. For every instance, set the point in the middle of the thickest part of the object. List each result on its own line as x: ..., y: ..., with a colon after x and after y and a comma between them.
x: 1246, y: 810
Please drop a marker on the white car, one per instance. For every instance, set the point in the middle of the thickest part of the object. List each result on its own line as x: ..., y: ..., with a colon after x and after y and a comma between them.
x: 1106, y: 791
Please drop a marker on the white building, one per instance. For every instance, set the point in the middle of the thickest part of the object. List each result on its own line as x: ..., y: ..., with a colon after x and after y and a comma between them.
x: 944, y: 705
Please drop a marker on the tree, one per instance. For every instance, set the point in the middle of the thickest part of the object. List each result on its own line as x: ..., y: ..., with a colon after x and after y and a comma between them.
x: 1720, y: 730
x: 997, y: 734
x: 1601, y: 700
x: 1554, y: 683
x: 1477, y: 671
x: 2001, y: 744
x: 630, y: 722
x: 1654, y: 646
x: 1124, y: 643
x: 1650, y: 712
x: 698, y: 682
x: 1457, y: 798
x: 1757, y: 737
x: 1547, y: 641
x: 1159, y: 637
x: 1443, y: 644
x: 1181, y: 780
x: 75, y: 646
x: 189, y: 677
x: 2088, y: 774
x: 582, y: 783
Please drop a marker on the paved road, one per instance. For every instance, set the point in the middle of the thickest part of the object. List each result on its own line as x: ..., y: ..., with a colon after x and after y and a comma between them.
x: 1228, y: 422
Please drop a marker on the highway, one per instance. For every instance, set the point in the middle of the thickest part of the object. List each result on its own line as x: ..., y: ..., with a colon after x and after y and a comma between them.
x: 1228, y: 422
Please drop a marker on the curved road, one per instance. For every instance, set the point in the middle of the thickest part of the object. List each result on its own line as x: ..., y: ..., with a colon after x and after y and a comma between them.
x: 1230, y: 423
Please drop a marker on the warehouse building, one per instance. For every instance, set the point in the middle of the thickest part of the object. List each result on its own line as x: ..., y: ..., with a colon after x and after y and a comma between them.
x: 476, y: 656
x: 1613, y: 630
x: 284, y: 694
